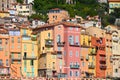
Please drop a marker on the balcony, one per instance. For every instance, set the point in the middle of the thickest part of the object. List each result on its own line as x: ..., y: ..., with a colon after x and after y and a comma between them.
x: 103, y: 59
x: 49, y: 43
x: 75, y: 44
x: 115, y: 39
x: 74, y: 66
x: 29, y: 58
x: 34, y: 37
x: 16, y: 59
x: 25, y: 35
x: 91, y: 66
x: 61, y: 44
x: 93, y: 52
x: 103, y: 66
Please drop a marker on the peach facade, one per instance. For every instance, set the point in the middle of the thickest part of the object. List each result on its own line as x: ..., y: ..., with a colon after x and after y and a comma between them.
x: 4, y: 53
x: 15, y: 52
x: 57, y: 15
x: 109, y: 62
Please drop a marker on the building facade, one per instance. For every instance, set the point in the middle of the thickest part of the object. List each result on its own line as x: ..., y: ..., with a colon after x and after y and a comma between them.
x: 29, y: 53
x: 57, y: 15
x: 15, y: 51
x: 4, y: 52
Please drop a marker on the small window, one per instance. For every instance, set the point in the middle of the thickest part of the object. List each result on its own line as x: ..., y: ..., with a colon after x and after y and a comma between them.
x: 116, y: 70
x: 70, y: 53
x: 32, y: 62
x: 49, y: 35
x: 70, y: 73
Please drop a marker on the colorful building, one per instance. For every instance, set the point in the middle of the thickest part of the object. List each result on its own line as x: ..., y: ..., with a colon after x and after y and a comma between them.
x: 87, y: 65
x: 29, y: 52
x: 4, y: 14
x: 113, y: 4
x: 61, y: 48
x: 115, y: 50
x: 99, y: 42
x: 109, y: 62
x: 4, y: 52
x: 57, y: 15
x: 15, y: 52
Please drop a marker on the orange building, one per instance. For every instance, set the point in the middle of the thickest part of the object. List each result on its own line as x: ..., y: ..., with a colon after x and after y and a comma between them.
x: 15, y: 52
x: 109, y: 61
x: 57, y: 15
x: 4, y: 52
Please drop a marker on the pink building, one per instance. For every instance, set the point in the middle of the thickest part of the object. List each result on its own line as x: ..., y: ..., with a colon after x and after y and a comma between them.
x: 72, y: 50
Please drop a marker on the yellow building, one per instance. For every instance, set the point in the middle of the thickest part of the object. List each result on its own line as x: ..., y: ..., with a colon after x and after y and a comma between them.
x: 113, y: 4
x: 88, y: 52
x: 4, y: 14
x: 47, y: 56
x: 29, y: 53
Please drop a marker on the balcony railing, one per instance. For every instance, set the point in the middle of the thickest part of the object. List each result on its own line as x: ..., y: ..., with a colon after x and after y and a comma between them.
x: 61, y: 43
x: 25, y: 35
x: 91, y: 66
x: 49, y: 43
x: 34, y: 37
x: 29, y: 57
x: 103, y: 59
x: 103, y: 66
x: 16, y: 59
x: 93, y: 52
x: 74, y: 66
x: 74, y: 44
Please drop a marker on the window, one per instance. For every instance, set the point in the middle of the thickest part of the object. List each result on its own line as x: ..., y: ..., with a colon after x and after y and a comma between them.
x: 24, y: 69
x: 58, y: 38
x: 116, y: 70
x: 32, y: 47
x: 25, y: 47
x: 1, y: 64
x: 77, y: 54
x: 48, y: 35
x: 24, y: 32
x: 18, y: 40
x: 70, y: 73
x: 12, y: 39
x: 12, y: 46
x: 71, y: 39
x: 32, y: 63
x: 76, y: 73
x: 59, y: 27
x: 6, y: 42
x: 83, y: 64
x: 25, y: 54
x: 77, y: 39
x: 94, y: 35
x: 76, y: 28
x: 20, y: 7
x: 6, y: 62
x: 70, y: 53
x: 71, y: 28
x: 25, y: 63
x: 0, y: 41
x: 12, y: 55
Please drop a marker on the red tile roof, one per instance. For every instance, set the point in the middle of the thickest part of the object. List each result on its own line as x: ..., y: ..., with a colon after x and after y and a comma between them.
x: 113, y: 0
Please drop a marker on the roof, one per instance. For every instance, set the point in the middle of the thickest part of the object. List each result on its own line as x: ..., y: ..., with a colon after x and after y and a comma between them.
x: 2, y: 30
x: 55, y: 9
x: 58, y: 23
x: 67, y: 24
x: 113, y: 0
